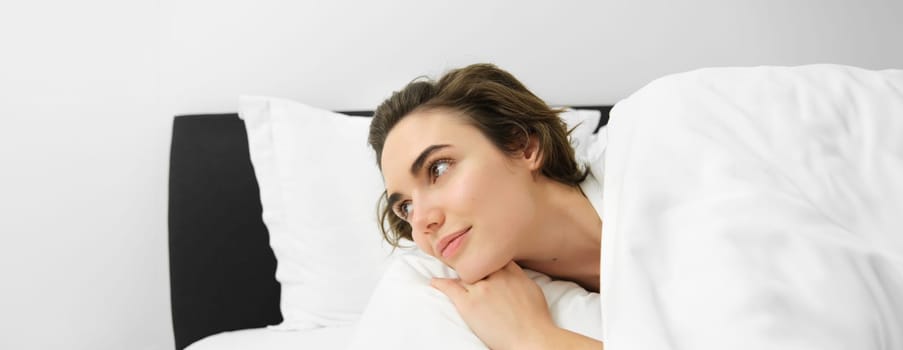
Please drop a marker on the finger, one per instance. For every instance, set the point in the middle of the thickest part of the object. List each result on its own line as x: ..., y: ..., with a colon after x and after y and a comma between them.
x: 506, y: 270
x: 451, y: 287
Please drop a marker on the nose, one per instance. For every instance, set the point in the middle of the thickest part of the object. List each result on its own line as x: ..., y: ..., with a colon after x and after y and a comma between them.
x: 428, y: 216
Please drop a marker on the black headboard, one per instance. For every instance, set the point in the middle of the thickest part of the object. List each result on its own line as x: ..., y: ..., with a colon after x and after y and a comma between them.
x: 222, y: 270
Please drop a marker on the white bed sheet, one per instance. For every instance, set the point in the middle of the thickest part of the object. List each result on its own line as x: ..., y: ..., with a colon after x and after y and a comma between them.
x: 326, y: 338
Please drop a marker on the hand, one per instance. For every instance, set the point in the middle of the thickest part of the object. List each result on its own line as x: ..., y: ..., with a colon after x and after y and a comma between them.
x: 504, y: 309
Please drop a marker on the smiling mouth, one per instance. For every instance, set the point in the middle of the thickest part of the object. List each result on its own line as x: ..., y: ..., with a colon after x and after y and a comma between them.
x: 454, y: 244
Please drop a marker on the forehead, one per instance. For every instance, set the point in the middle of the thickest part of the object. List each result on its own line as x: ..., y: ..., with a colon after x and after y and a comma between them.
x: 419, y: 130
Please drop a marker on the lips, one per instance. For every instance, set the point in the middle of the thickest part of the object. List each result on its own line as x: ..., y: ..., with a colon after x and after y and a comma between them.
x: 446, y: 241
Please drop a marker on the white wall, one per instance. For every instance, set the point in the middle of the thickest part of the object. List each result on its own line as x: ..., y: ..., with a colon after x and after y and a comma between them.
x: 352, y: 54
x: 88, y: 89
x: 83, y: 166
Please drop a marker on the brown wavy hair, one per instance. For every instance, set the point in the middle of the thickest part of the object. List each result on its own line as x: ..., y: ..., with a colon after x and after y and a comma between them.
x: 494, y: 102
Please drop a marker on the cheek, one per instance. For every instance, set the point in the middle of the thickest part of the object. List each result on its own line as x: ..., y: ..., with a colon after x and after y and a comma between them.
x: 461, y: 196
x: 471, y: 189
x: 493, y: 195
x: 497, y: 203
x: 422, y: 243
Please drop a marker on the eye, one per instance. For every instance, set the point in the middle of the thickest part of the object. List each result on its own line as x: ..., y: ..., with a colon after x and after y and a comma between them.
x: 438, y: 168
x: 403, y: 210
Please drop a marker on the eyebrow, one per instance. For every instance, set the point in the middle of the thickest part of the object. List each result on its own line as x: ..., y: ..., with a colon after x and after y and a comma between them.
x: 415, y: 166
x: 418, y: 163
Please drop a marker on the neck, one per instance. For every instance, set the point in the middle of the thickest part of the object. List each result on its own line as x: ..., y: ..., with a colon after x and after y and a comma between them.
x: 567, y: 241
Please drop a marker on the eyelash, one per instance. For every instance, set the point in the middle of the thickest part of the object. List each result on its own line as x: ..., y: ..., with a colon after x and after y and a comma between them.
x: 434, y: 164
x: 431, y: 169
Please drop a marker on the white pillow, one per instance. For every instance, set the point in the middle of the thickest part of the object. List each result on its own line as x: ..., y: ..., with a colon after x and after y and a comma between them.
x: 584, y: 122
x: 407, y: 313
x: 319, y: 186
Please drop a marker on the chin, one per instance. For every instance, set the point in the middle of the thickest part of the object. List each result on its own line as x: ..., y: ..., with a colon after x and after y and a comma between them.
x: 470, y: 278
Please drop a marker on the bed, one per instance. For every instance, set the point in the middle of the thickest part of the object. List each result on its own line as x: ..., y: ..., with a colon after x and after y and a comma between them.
x: 222, y: 268
x: 744, y: 208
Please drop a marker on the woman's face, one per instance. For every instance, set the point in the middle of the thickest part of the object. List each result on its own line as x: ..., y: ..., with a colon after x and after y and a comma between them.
x: 466, y: 201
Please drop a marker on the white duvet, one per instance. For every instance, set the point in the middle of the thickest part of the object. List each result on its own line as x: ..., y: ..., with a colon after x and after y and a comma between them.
x: 756, y: 208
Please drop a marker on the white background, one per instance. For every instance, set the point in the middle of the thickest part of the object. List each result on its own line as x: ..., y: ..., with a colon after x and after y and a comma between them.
x: 88, y: 90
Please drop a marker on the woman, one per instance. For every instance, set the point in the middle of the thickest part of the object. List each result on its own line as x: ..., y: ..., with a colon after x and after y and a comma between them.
x: 479, y: 173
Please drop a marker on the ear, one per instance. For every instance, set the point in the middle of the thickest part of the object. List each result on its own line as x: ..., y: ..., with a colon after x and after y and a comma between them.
x: 532, y: 155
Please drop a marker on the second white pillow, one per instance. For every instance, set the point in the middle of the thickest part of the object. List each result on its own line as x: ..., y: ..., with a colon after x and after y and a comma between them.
x: 405, y: 312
